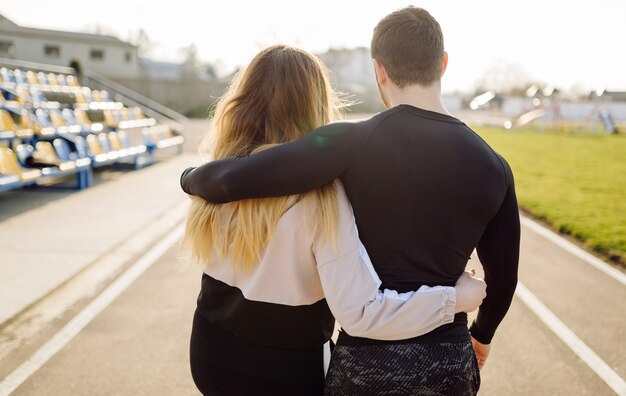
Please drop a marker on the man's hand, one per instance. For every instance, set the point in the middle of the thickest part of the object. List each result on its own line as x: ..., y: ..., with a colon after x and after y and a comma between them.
x: 470, y: 292
x: 482, y: 352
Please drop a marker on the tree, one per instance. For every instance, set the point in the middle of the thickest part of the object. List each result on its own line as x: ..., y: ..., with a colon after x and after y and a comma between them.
x: 189, y: 55
x: 210, y: 71
x: 505, y: 78
x: 144, y: 44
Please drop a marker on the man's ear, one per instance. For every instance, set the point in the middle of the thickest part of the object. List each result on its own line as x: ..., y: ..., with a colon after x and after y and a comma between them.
x: 381, y: 73
x: 444, y: 64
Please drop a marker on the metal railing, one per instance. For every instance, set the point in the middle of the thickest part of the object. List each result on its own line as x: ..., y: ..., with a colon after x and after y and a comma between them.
x: 36, y: 66
x: 125, y: 95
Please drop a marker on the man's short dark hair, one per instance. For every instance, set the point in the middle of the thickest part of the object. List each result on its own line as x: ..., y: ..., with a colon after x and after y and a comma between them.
x: 409, y: 43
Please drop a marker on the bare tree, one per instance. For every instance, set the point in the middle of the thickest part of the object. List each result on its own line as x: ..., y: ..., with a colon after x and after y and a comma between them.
x: 506, y: 78
x: 191, y: 64
x: 144, y: 44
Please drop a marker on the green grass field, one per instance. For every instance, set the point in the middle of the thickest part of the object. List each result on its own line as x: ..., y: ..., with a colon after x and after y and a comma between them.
x: 577, y: 183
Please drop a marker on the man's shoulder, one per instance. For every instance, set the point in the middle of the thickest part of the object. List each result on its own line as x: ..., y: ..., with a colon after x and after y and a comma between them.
x: 352, y: 128
x: 491, y: 158
x: 363, y: 122
x: 489, y: 150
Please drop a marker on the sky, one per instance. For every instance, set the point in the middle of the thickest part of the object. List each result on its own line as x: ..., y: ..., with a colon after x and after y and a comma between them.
x: 571, y: 43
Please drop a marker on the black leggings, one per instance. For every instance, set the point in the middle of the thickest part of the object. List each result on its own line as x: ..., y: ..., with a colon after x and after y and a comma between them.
x: 434, y: 369
x: 223, y: 364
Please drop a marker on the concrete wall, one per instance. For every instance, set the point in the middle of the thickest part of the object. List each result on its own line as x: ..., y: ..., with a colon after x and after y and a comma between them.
x: 182, y: 96
x: 585, y: 110
x: 573, y: 111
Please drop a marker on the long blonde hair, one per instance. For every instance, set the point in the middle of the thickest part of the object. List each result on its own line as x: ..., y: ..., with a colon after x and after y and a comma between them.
x: 281, y: 96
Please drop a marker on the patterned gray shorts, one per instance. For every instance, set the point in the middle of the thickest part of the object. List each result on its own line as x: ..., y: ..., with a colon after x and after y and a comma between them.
x: 427, y: 369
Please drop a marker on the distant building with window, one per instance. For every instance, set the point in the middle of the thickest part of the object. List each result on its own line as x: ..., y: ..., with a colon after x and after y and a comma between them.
x: 103, y: 54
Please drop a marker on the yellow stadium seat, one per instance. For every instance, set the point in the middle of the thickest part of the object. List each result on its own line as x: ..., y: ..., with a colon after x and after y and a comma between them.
x: 31, y: 77
x: 29, y: 125
x: 81, y: 117
x: 25, y: 119
x: 138, y: 113
x: 23, y: 95
x: 6, y: 121
x: 154, y: 134
x: 115, y: 141
x: 72, y: 81
x: 52, y: 79
x: 97, y: 150
x: 94, y: 146
x: 104, y: 96
x: 124, y: 113
x: 25, y: 129
x: 44, y: 152
x: 43, y: 79
x: 167, y: 131
x: 109, y: 119
x: 96, y: 96
x: 116, y: 144
x: 10, y: 166
x: 80, y: 98
x: 57, y: 119
x: 161, y: 132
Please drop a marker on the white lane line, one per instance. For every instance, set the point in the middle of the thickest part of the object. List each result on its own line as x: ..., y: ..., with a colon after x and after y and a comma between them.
x: 575, y: 250
x: 570, y: 339
x: 80, y: 321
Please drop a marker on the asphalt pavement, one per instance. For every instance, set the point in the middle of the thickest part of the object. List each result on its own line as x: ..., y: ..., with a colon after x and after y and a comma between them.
x: 139, y: 344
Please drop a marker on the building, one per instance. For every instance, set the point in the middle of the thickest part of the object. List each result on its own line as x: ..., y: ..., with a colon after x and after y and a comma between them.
x: 103, y: 54
x: 352, y: 69
x: 158, y: 70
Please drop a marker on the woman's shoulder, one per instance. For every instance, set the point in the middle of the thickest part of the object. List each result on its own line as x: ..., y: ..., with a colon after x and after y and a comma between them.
x: 309, y: 201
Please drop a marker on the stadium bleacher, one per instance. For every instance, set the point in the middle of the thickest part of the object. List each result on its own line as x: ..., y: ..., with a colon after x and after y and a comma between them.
x: 52, y: 126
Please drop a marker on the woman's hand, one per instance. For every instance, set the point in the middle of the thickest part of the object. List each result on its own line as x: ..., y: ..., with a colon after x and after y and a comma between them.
x: 470, y: 292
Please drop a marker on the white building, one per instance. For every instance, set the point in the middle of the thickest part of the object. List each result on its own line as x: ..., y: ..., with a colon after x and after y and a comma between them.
x: 103, y: 54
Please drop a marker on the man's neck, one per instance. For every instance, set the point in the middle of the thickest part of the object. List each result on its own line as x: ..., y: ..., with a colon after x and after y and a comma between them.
x: 427, y: 98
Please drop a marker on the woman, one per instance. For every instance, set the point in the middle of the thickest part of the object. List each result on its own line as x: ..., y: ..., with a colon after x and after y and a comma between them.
x: 275, y: 268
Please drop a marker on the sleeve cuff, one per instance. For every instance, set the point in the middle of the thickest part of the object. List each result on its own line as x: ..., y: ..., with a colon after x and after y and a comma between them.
x: 478, y: 335
x: 183, y: 184
x: 450, y: 308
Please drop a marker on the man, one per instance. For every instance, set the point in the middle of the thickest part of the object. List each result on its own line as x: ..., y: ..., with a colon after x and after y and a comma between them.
x: 425, y: 189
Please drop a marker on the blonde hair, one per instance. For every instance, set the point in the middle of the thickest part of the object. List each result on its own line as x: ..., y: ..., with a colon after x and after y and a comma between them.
x: 280, y: 97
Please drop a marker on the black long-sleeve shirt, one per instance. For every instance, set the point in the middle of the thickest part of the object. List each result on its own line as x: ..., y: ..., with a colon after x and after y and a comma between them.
x: 425, y: 189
